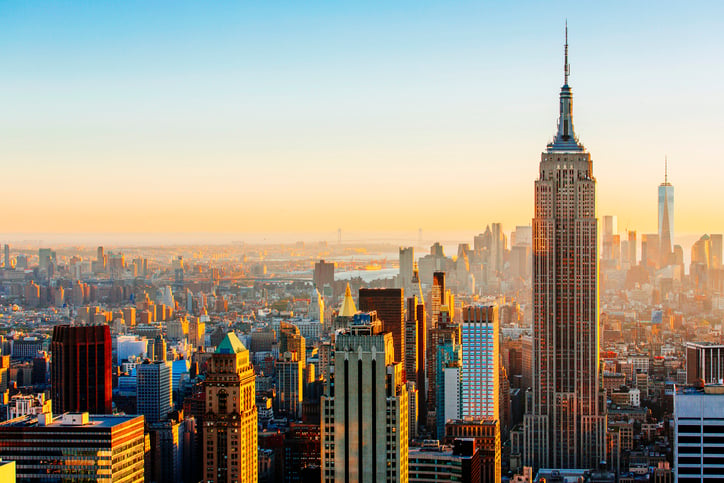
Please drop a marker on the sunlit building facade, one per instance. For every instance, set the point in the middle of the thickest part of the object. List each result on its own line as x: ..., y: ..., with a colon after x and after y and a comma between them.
x: 75, y: 447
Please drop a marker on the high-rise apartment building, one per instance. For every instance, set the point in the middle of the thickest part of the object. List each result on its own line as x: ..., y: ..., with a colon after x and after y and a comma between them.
x: 480, y: 378
x: 230, y: 424
x: 153, y: 390
x: 666, y: 219
x: 81, y: 369
x: 389, y: 303
x: 364, y: 408
x: 565, y: 423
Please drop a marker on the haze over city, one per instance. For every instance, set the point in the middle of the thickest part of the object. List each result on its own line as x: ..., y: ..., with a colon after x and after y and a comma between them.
x: 175, y: 118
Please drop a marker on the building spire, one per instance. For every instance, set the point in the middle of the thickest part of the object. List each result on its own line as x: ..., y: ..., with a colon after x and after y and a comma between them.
x: 666, y: 169
x: 565, y: 140
x: 566, y: 66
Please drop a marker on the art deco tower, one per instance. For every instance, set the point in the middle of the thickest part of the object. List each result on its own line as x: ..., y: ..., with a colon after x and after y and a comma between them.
x: 365, y: 408
x: 230, y: 424
x: 565, y: 422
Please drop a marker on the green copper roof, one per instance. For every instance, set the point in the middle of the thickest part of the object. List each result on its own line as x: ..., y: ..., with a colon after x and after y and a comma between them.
x: 230, y: 345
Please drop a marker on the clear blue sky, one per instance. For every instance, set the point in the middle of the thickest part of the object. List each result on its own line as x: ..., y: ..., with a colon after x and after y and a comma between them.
x: 306, y: 116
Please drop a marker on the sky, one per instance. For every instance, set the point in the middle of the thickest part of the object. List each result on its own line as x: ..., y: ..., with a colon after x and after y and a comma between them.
x: 373, y: 117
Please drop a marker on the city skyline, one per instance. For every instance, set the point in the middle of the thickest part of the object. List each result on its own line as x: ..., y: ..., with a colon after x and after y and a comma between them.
x: 250, y: 119
x: 285, y: 242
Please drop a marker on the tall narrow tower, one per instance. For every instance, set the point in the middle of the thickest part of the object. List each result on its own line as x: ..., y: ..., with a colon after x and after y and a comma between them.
x: 666, y: 218
x: 565, y: 422
x: 230, y: 431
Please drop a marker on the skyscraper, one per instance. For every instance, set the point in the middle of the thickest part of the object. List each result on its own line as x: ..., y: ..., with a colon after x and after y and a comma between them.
x: 153, y: 388
x: 407, y: 261
x: 565, y: 423
x: 449, y: 359
x: 289, y: 395
x: 389, y: 303
x: 632, y: 251
x: 446, y: 330
x: 81, y: 369
x: 291, y: 340
x: 437, y: 297
x: 666, y: 219
x: 365, y: 413
x: 415, y: 340
x: 480, y: 362
x: 230, y: 423
x: 323, y: 274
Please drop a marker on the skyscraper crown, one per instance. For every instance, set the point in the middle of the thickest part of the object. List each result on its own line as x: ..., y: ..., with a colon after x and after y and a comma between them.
x: 565, y: 139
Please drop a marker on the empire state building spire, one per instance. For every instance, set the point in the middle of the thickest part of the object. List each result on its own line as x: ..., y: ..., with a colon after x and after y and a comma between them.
x: 566, y: 140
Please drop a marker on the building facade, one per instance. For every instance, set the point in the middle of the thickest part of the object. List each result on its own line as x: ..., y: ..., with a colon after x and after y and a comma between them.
x: 153, y: 390
x: 699, y: 435
x: 389, y: 303
x: 434, y: 462
x: 75, y: 447
x: 289, y: 371
x: 323, y: 274
x: 486, y: 433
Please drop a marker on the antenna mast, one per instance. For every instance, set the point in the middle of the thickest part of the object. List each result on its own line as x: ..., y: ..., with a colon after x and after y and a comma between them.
x: 666, y: 169
x: 566, y: 67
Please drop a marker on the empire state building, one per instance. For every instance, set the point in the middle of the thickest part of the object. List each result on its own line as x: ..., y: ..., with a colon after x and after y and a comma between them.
x: 565, y: 420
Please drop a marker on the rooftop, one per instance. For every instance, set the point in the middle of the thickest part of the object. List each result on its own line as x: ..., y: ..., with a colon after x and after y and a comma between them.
x: 94, y: 421
x: 230, y: 345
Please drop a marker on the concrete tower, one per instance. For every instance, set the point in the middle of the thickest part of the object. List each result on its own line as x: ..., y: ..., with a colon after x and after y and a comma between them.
x: 565, y: 422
